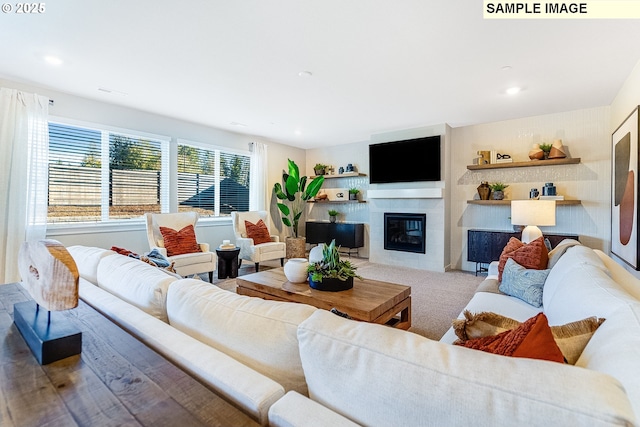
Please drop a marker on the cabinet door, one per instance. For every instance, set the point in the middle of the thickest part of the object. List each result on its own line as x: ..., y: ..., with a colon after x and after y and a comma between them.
x: 317, y: 232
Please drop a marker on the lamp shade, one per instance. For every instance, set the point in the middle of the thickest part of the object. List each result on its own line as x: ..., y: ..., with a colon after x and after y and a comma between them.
x: 533, y: 212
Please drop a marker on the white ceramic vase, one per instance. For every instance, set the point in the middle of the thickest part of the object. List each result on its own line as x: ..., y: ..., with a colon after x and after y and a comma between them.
x: 296, y: 270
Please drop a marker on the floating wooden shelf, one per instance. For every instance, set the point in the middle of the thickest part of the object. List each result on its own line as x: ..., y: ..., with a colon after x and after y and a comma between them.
x: 508, y: 202
x: 342, y: 175
x: 549, y: 162
x: 328, y: 202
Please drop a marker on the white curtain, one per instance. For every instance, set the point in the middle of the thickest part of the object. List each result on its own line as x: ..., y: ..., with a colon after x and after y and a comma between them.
x: 24, y: 151
x: 258, y: 186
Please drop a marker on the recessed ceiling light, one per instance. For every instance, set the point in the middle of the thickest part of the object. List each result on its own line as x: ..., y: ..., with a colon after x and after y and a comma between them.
x: 506, y: 68
x: 298, y: 132
x: 305, y: 74
x: 513, y: 90
x: 112, y: 92
x: 242, y: 125
x: 52, y: 60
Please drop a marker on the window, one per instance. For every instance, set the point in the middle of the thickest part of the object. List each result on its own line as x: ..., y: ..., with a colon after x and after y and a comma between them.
x: 101, y: 175
x: 212, y: 181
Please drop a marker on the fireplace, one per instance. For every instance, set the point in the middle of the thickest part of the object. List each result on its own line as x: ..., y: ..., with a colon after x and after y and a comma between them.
x: 404, y: 232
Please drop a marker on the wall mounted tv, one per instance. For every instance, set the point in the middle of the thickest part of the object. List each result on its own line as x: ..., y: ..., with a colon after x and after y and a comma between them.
x: 405, y: 161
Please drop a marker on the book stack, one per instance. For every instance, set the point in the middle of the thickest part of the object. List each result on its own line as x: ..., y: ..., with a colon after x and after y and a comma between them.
x: 226, y: 245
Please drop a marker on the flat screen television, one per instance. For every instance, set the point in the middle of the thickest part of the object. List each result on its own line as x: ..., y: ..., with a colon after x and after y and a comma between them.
x: 405, y: 161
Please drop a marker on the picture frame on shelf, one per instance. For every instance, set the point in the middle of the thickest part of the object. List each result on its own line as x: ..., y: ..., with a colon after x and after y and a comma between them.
x: 624, y: 191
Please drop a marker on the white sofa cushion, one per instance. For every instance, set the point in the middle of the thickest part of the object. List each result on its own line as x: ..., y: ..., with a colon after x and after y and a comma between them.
x: 583, y: 291
x: 246, y: 388
x: 295, y: 410
x: 87, y: 259
x: 259, y: 333
x: 379, y: 376
x: 576, y: 258
x: 615, y: 349
x: 136, y: 282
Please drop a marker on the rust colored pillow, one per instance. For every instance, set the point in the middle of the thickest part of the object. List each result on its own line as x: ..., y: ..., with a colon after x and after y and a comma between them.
x: 180, y: 242
x: 258, y: 232
x: 532, y: 255
x: 532, y: 339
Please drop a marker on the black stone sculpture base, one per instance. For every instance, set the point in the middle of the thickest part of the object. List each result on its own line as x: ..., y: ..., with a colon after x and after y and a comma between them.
x: 48, y: 340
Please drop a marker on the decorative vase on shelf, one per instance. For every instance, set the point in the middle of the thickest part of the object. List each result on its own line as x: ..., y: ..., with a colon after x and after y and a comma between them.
x: 296, y: 270
x: 484, y: 191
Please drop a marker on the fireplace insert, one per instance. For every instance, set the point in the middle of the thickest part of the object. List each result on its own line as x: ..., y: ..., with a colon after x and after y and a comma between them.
x: 405, y: 232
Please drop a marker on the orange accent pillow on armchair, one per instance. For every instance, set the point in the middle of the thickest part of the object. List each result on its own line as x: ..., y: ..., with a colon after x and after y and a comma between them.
x: 180, y: 242
x: 258, y: 232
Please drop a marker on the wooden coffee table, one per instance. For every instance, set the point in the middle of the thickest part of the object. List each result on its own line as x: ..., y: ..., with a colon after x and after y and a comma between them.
x: 369, y: 300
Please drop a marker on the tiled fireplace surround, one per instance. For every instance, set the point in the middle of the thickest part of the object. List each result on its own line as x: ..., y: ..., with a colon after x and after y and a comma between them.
x: 433, y: 258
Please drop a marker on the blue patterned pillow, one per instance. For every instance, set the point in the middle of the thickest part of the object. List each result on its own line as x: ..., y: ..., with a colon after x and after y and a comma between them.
x: 523, y: 283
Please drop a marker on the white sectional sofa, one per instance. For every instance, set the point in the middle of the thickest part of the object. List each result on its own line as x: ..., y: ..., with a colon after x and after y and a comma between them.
x: 244, y: 348
x: 293, y: 365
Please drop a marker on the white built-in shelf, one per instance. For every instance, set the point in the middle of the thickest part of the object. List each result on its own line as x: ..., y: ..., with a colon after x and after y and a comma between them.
x: 508, y: 202
x: 530, y: 163
x: 406, y: 193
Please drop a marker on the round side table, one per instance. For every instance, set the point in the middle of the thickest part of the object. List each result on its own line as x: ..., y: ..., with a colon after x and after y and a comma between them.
x: 227, y: 263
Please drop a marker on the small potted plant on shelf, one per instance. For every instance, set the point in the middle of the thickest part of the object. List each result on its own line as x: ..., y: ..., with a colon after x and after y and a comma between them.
x: 353, y: 193
x: 546, y: 149
x: 497, y: 189
x: 319, y: 169
x: 331, y: 273
x: 332, y: 215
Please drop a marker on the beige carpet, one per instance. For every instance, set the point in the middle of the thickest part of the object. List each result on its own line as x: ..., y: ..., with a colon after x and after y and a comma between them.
x: 436, y: 298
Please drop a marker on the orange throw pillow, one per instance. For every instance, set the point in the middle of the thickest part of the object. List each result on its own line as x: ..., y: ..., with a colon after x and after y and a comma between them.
x: 532, y: 255
x: 258, y: 232
x: 180, y: 242
x: 532, y: 339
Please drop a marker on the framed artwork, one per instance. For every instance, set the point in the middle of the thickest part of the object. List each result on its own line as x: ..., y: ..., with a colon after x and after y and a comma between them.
x: 624, y: 191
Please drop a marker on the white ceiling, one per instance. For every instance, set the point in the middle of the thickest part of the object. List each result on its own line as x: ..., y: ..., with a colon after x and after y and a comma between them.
x: 378, y: 65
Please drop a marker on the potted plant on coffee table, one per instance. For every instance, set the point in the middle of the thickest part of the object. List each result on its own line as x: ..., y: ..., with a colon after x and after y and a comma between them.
x: 331, y: 273
x: 293, y: 194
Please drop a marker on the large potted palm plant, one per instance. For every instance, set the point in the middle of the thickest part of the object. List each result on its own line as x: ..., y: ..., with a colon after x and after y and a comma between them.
x: 293, y: 193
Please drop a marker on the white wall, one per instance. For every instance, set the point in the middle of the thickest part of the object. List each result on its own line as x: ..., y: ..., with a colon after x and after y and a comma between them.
x: 585, y: 133
x: 134, y: 237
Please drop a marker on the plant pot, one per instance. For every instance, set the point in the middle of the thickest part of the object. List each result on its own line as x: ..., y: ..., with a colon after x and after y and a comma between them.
x: 353, y: 196
x: 331, y: 284
x: 498, y: 195
x: 296, y: 270
x: 319, y: 171
x: 332, y: 219
x: 295, y: 247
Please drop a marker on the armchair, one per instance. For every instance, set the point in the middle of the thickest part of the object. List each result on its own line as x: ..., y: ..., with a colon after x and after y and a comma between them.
x: 186, y: 262
x: 250, y: 251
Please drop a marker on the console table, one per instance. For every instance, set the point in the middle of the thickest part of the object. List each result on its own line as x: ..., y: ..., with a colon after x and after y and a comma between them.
x: 116, y: 380
x: 346, y: 235
x: 484, y: 246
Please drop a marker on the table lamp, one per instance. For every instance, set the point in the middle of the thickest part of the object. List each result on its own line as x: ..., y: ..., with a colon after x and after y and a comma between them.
x: 531, y: 214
